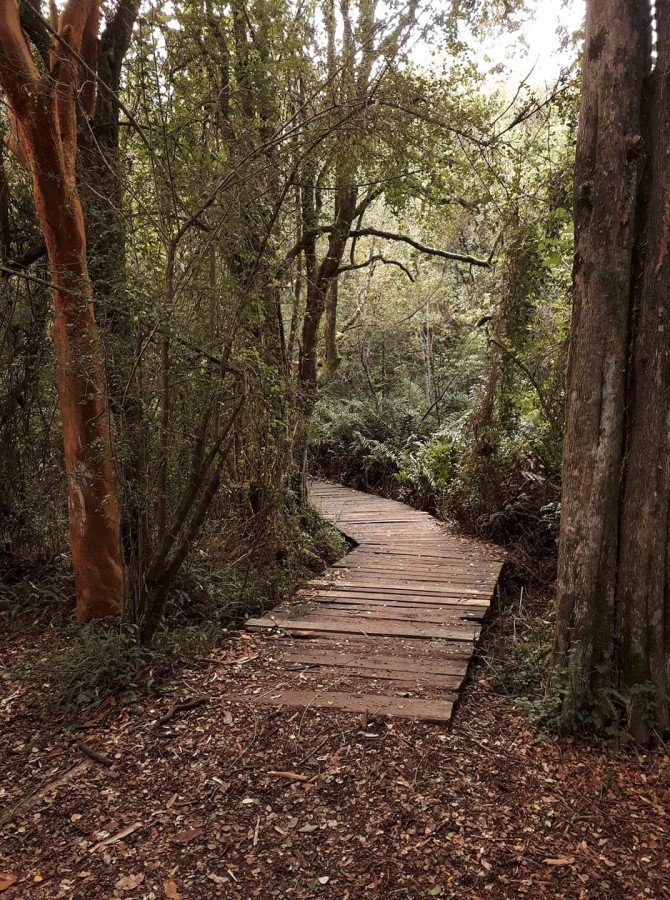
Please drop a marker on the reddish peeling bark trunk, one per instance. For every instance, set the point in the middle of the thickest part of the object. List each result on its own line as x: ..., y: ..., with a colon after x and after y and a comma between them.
x: 44, y: 113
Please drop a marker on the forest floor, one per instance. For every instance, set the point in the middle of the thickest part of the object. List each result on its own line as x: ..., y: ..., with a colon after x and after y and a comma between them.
x: 228, y: 800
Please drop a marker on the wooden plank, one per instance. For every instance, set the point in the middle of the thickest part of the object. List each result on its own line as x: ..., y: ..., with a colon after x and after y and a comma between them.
x: 407, y: 576
x: 405, y: 597
x: 437, y: 711
x: 400, y: 682
x: 415, y: 576
x: 371, y: 646
x: 459, y: 610
x: 368, y: 627
x: 390, y: 613
x: 430, y: 590
x: 414, y: 565
x: 420, y: 667
x: 368, y: 681
x: 390, y: 682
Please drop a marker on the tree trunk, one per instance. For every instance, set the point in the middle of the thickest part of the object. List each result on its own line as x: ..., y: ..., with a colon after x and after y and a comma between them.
x: 92, y: 505
x: 613, y: 625
x: 643, y: 591
x: 101, y: 185
x: 331, y: 354
x: 44, y: 109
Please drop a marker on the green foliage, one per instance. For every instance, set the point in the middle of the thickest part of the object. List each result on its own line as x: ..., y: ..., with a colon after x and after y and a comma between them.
x: 606, y: 711
x: 100, y: 660
x: 206, y: 606
x: 365, y: 442
x: 431, y: 465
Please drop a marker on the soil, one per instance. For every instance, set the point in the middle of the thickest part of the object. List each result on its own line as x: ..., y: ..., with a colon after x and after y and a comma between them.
x: 228, y: 800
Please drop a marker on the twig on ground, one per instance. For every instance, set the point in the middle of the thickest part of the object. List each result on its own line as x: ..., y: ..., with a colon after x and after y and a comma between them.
x: 93, y: 754
x: 182, y: 706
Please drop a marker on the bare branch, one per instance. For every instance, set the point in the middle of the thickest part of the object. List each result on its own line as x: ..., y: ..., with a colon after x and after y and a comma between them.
x: 19, y: 76
x: 389, y: 236
x: 422, y: 248
x: 550, y: 417
x: 373, y: 259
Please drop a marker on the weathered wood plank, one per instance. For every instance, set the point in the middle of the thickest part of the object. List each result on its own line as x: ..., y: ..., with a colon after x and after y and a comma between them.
x: 438, y: 711
x: 367, y: 627
x: 412, y: 667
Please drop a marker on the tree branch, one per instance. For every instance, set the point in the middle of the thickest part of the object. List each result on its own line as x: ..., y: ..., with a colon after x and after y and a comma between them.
x: 19, y: 76
x: 389, y: 236
x: 533, y: 381
x: 422, y: 248
x: 34, y: 28
x: 373, y: 259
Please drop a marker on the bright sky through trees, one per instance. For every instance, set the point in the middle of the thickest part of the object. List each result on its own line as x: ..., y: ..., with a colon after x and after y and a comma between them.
x: 539, y: 44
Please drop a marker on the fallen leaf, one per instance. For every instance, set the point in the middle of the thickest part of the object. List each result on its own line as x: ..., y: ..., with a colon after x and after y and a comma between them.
x: 560, y: 861
x: 436, y: 891
x: 291, y: 776
x: 7, y: 879
x: 129, y: 882
x: 308, y: 829
x: 189, y: 834
x: 171, y: 891
x: 119, y: 836
x: 217, y: 879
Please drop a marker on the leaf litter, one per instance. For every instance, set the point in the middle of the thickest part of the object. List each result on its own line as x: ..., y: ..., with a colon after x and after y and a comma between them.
x: 241, y: 801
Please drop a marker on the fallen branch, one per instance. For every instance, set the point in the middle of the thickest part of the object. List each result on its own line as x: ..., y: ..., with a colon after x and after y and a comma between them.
x: 118, y: 836
x: 182, y: 706
x: 95, y: 755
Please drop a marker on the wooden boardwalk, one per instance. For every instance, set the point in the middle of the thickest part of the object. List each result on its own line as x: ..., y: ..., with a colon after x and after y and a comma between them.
x: 391, y: 628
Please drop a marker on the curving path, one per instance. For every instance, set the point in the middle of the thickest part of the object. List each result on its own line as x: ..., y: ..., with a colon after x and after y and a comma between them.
x: 391, y: 628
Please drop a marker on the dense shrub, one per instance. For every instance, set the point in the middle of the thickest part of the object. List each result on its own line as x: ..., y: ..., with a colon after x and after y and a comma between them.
x: 509, y: 494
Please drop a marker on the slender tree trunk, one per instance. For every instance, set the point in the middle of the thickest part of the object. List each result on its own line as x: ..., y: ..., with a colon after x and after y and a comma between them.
x: 331, y: 356
x: 5, y: 228
x: 44, y: 112
x: 92, y: 505
x: 102, y: 191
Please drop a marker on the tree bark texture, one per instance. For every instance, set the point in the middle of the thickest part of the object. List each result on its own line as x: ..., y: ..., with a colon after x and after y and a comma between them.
x: 613, y: 626
x: 44, y: 109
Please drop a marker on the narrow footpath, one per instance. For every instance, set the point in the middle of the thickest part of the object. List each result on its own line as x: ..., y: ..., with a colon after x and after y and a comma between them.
x: 302, y: 788
x: 392, y: 627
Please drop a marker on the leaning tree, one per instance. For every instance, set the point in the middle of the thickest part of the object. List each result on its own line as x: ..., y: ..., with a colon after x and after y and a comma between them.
x: 613, y: 629
x: 43, y: 105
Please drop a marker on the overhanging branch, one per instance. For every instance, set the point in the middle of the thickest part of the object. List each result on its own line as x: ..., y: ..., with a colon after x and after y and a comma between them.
x: 422, y: 248
x: 373, y: 259
x: 390, y: 236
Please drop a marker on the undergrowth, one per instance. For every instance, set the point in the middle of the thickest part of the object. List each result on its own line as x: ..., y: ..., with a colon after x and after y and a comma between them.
x: 516, y: 650
x: 91, y: 663
x: 507, y: 492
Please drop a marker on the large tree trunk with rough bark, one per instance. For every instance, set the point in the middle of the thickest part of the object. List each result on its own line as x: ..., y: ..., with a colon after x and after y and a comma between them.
x: 44, y: 113
x: 613, y: 627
